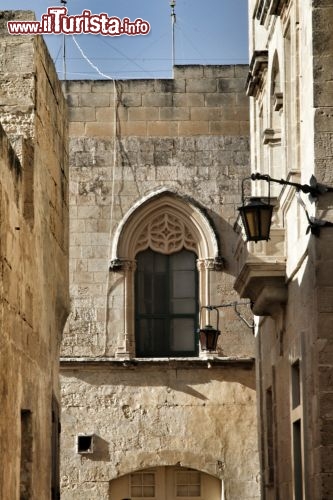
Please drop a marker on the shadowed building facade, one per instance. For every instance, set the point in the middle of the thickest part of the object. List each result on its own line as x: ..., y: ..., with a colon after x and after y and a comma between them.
x: 289, y: 278
x: 34, y: 298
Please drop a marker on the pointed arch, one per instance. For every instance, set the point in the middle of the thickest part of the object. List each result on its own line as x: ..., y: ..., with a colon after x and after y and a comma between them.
x: 167, y: 481
x: 165, y: 210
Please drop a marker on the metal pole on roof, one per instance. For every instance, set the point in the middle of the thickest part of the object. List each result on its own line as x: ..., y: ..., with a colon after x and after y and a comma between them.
x: 64, y: 68
x: 173, y: 22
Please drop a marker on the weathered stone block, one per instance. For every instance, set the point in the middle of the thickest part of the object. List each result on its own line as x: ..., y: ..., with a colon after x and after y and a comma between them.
x: 244, y: 128
x: 105, y: 114
x: 173, y: 86
x: 131, y: 99
x: 241, y: 71
x: 188, y: 71
x: 199, y: 113
x: 157, y: 99
x: 162, y: 129
x: 76, y: 128
x: 134, y: 128
x: 143, y: 114
x: 96, y: 265
x: 324, y: 119
x: 193, y: 128
x: 217, y: 99
x: 225, y: 71
x: 98, y: 129
x: 82, y: 114
x: 79, y: 87
x: 103, y: 87
x: 231, y: 85
x: 224, y: 128
x: 174, y: 114
x: 201, y: 85
x: 137, y: 86
x: 323, y: 95
x: 188, y: 100
x: 94, y: 100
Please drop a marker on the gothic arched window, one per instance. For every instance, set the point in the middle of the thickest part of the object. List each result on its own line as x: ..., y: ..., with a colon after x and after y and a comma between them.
x: 166, y: 248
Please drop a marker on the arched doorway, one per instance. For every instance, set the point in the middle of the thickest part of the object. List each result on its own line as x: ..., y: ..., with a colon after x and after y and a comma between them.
x: 166, y: 483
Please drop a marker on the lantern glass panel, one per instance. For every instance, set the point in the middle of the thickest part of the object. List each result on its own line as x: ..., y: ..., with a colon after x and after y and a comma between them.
x: 256, y: 217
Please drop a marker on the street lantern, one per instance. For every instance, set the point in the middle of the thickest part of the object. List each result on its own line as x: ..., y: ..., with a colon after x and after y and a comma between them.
x: 208, y: 338
x: 208, y: 335
x: 256, y: 217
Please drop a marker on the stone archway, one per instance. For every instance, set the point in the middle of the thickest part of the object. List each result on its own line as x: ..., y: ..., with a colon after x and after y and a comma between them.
x: 166, y: 483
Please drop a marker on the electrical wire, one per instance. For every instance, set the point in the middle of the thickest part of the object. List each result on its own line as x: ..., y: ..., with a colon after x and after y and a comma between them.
x: 90, y: 62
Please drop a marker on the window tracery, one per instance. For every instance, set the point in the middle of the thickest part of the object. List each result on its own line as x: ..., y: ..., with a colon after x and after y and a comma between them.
x: 167, y: 224
x: 166, y: 234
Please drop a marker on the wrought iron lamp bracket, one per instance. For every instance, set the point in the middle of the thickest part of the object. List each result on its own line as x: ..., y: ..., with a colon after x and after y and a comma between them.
x: 234, y: 305
x: 313, y: 189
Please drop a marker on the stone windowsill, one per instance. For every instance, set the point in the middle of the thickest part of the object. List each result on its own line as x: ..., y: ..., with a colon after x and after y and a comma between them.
x: 108, y: 362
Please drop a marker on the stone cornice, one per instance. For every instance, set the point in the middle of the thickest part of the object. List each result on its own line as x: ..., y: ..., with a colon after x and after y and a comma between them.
x: 173, y: 363
x: 265, y: 8
x: 258, y: 65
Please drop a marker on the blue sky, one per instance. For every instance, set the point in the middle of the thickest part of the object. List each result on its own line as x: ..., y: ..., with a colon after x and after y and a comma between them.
x: 210, y: 32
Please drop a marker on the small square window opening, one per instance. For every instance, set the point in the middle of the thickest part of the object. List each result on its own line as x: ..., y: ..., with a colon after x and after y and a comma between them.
x: 85, y: 444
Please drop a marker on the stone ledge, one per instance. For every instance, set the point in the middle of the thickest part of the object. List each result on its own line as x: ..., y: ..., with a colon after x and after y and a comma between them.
x: 180, y: 363
x: 263, y: 282
x: 258, y: 65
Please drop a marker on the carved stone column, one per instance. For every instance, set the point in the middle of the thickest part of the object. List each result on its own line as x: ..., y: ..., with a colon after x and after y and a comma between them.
x: 127, y: 348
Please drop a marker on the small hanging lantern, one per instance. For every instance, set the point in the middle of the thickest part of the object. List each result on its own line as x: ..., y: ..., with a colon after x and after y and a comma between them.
x: 256, y: 216
x: 208, y: 335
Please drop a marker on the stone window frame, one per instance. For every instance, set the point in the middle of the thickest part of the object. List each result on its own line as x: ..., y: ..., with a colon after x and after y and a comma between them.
x: 276, y: 94
x: 297, y: 423
x: 137, y: 232
x: 273, y: 137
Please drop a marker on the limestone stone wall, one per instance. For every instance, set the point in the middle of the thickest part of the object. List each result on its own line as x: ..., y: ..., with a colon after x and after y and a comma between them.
x: 133, y: 143
x: 322, y: 411
x: 188, y: 135
x: 149, y: 415
x: 33, y: 262
x: 294, y: 334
